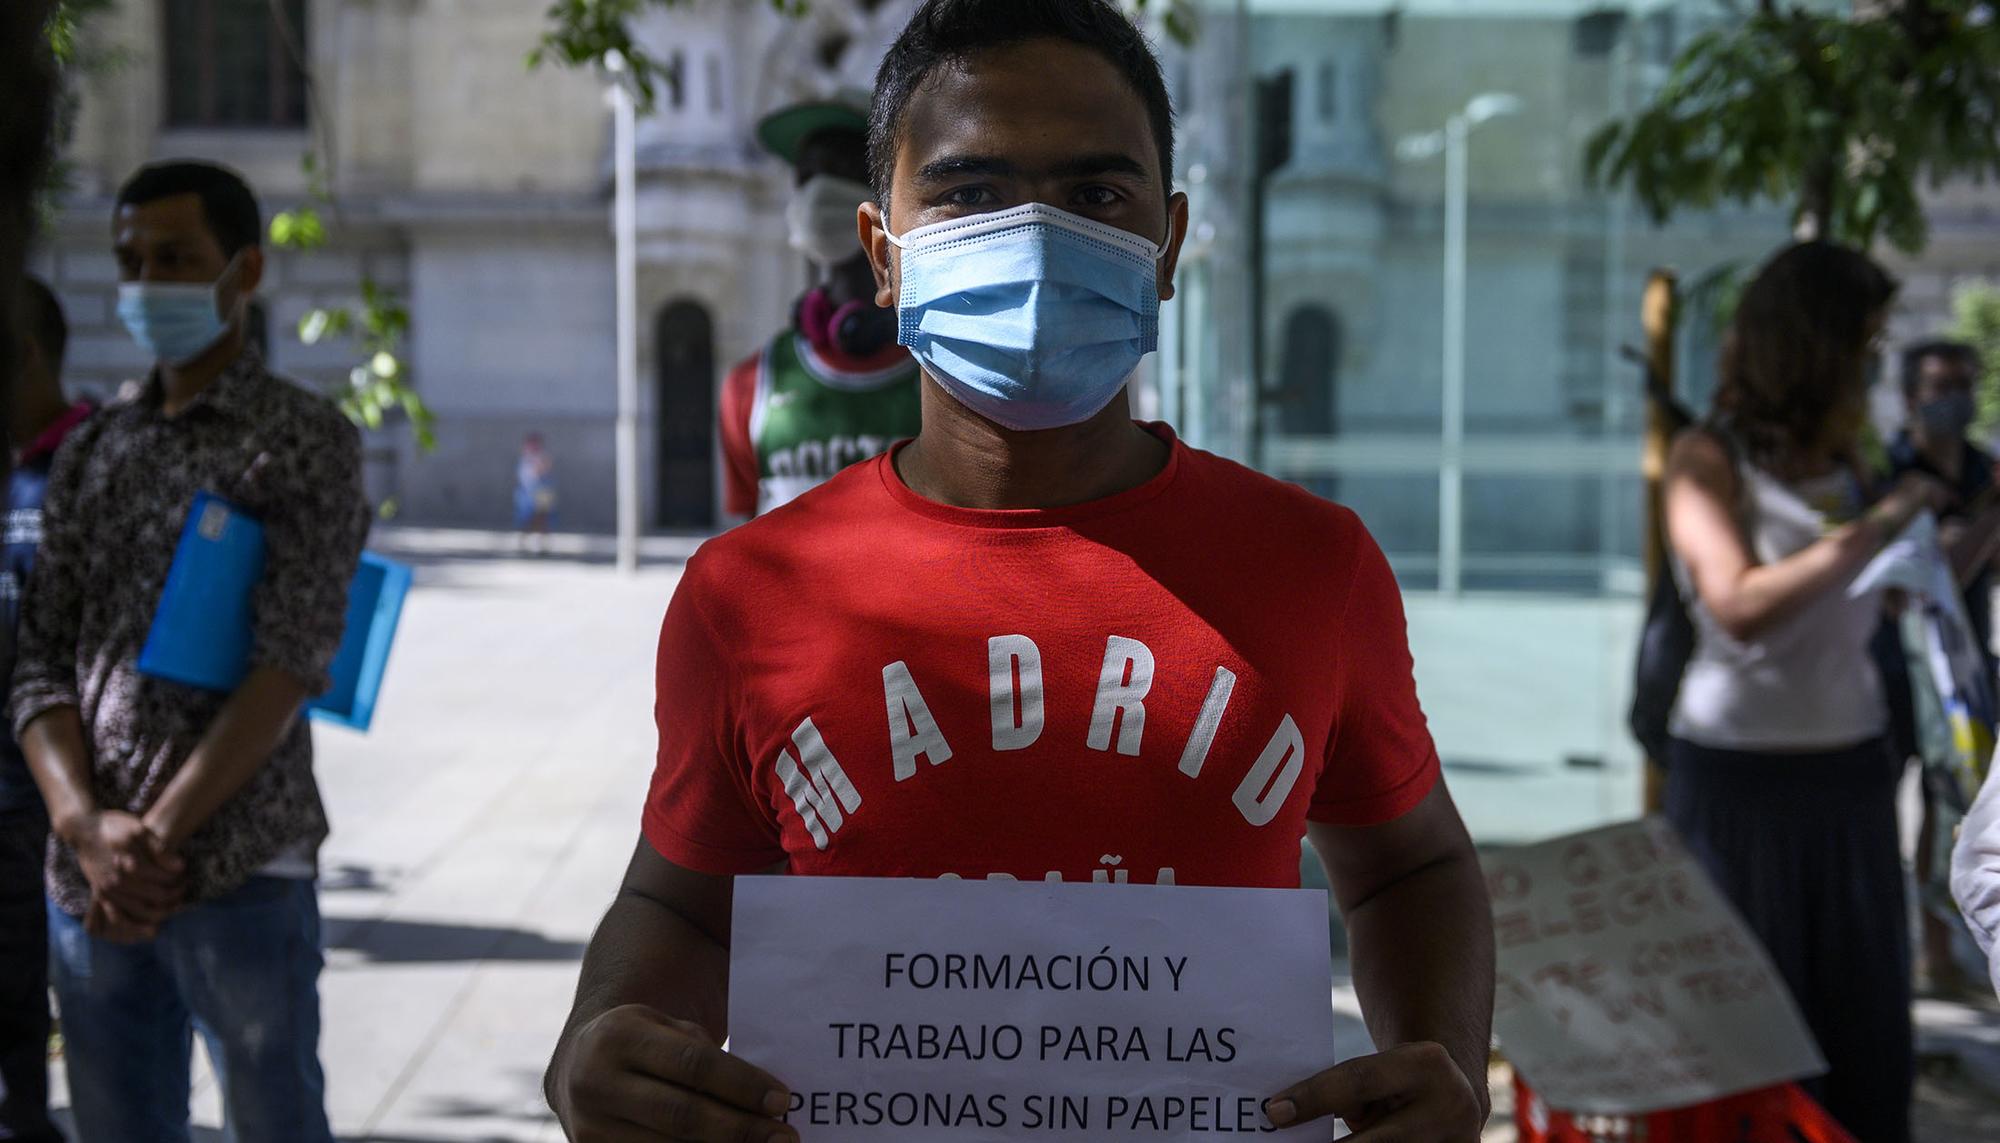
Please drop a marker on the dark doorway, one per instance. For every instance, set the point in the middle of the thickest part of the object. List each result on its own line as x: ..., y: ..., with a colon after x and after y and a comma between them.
x: 684, y: 417
x: 1309, y: 372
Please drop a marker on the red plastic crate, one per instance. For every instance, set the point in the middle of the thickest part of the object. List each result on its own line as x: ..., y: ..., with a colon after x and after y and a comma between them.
x: 1770, y: 1115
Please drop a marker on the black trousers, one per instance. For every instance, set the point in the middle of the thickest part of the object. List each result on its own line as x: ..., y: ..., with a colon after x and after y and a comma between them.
x: 24, y: 979
x: 1805, y: 846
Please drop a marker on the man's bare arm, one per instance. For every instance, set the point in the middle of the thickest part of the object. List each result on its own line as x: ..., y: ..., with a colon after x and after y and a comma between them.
x: 640, y: 1056
x: 237, y: 744
x: 1419, y: 928
x: 1420, y: 933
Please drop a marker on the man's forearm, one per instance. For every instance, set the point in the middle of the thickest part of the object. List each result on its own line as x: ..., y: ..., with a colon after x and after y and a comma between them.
x: 59, y: 758
x: 646, y: 953
x: 240, y: 740
x: 1970, y: 548
x: 1422, y: 952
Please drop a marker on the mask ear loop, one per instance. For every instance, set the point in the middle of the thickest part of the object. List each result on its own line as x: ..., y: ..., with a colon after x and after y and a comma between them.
x: 215, y: 288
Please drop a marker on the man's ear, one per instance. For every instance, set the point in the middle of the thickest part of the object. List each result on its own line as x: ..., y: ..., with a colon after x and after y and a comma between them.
x: 249, y: 272
x: 1177, y: 226
x: 873, y: 224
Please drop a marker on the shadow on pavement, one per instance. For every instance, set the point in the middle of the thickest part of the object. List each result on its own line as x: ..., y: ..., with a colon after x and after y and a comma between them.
x: 420, y: 942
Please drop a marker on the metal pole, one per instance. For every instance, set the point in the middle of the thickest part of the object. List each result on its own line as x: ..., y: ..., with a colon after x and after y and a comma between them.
x: 625, y: 223
x: 1451, y: 472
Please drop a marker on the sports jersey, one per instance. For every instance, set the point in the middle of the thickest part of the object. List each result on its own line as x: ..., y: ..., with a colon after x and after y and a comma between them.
x: 1163, y: 686
x: 791, y: 418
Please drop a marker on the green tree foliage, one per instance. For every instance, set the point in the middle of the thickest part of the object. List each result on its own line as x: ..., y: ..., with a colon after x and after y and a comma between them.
x: 599, y: 33
x: 1976, y: 314
x: 1842, y: 118
x: 74, y: 56
x: 378, y: 383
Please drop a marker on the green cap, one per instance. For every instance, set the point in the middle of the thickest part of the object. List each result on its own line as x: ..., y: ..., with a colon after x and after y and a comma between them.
x: 785, y: 130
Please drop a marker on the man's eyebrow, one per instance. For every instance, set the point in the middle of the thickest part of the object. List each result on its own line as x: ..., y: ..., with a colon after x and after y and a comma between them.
x: 1110, y: 163
x: 956, y: 166
x: 1082, y: 166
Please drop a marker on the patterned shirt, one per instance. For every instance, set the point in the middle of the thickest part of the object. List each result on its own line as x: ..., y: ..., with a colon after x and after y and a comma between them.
x: 117, y: 498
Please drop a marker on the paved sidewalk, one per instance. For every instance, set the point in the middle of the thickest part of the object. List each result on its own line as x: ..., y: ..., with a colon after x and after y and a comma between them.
x: 480, y: 829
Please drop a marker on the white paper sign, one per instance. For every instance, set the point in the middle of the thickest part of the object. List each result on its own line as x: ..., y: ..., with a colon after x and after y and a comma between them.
x: 1628, y: 984
x: 994, y: 1010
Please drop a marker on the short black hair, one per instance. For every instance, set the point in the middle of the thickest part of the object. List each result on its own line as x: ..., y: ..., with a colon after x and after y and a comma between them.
x: 1956, y: 352
x: 227, y: 204
x: 946, y: 31
x: 42, y: 321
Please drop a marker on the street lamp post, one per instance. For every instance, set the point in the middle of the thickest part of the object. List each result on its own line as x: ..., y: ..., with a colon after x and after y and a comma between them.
x: 1451, y: 143
x: 625, y: 226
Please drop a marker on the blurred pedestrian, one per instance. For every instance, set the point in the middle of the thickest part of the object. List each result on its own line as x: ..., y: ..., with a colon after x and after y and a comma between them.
x: 1778, y: 775
x: 187, y: 823
x: 1938, y: 379
x: 834, y: 387
x: 534, y: 493
x: 1938, y: 391
x: 39, y: 418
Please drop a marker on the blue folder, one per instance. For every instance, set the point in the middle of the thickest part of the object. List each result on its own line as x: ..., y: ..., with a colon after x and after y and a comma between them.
x: 201, y: 633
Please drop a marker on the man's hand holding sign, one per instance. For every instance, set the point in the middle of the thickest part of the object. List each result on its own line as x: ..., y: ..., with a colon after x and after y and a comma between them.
x: 1104, y: 657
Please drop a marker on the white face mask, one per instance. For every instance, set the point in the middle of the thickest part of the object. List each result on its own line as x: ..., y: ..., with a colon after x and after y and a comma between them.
x: 821, y: 219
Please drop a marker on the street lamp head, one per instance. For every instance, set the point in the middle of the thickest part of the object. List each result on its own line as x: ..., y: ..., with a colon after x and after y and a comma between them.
x: 1491, y: 105
x: 1414, y: 148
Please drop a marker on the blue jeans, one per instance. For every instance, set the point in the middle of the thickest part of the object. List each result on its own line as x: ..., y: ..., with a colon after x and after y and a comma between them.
x: 243, y: 971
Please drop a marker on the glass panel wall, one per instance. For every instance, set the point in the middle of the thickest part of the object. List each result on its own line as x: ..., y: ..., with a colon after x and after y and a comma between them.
x: 1401, y: 292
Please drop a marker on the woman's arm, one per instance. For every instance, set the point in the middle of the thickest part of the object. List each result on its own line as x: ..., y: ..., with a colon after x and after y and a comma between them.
x: 1746, y: 597
x: 1975, y: 871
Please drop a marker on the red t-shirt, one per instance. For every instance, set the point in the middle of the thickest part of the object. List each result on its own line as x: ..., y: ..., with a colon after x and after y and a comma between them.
x: 1161, y: 686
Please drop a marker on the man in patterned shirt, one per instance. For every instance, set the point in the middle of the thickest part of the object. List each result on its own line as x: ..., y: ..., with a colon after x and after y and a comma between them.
x: 187, y: 823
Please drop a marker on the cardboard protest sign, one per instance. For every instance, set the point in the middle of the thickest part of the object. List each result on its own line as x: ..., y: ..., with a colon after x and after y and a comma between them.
x: 996, y: 1010
x: 1627, y: 984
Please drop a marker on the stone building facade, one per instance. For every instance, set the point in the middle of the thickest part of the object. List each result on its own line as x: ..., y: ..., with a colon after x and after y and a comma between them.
x: 481, y: 190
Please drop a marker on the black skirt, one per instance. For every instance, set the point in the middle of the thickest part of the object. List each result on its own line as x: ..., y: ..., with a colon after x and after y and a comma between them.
x: 1805, y: 846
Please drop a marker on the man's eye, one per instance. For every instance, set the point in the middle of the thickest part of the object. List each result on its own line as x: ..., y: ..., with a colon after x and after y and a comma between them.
x: 1097, y: 196
x: 967, y: 196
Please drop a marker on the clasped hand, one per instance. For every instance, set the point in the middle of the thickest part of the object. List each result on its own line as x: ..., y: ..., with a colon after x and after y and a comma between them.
x: 136, y: 880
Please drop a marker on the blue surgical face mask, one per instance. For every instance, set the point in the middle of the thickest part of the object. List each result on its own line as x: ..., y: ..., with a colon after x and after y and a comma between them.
x: 1948, y: 417
x: 1034, y: 318
x: 176, y: 322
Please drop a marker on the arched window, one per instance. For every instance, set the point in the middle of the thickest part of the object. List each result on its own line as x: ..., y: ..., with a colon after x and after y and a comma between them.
x: 1309, y: 372
x: 684, y: 416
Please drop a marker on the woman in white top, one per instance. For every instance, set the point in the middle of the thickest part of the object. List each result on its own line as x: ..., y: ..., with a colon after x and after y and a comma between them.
x: 1778, y: 777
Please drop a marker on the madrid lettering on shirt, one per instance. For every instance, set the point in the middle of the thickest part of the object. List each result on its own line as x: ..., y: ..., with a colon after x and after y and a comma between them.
x: 826, y: 798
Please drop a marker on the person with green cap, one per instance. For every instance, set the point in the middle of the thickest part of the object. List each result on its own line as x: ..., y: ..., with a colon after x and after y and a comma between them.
x: 834, y: 387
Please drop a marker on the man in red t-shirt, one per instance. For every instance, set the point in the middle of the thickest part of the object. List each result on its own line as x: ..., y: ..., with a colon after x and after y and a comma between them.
x: 1040, y: 641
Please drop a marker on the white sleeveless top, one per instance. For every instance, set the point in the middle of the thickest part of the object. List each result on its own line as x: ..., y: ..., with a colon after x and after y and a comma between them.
x: 1807, y: 682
